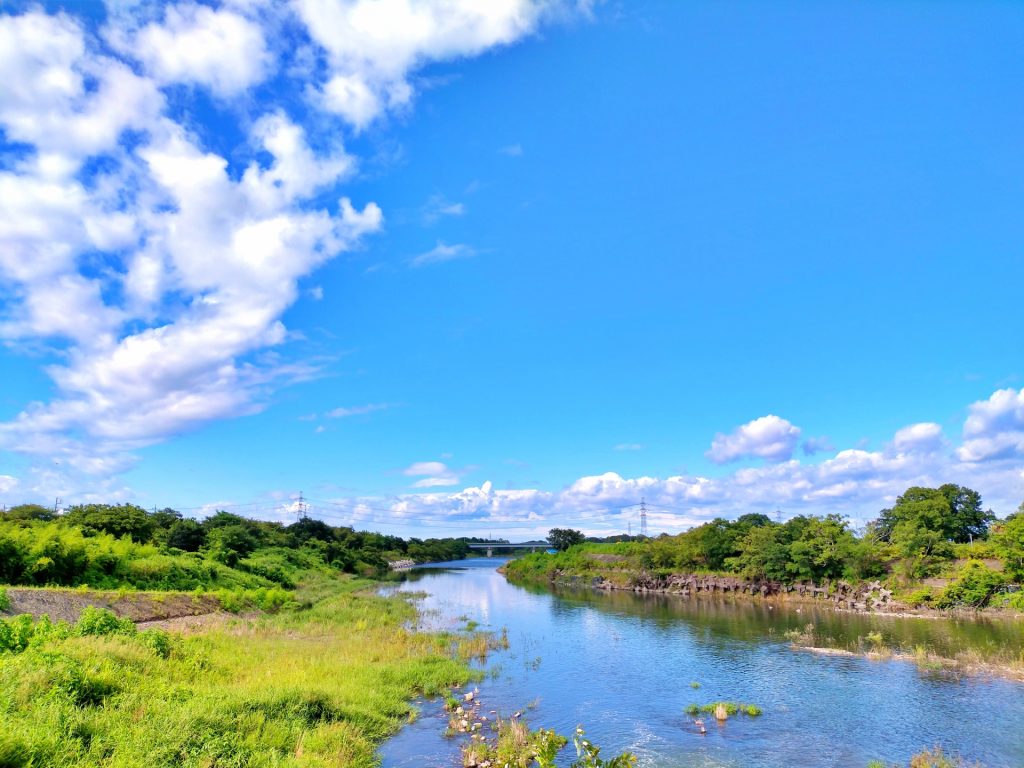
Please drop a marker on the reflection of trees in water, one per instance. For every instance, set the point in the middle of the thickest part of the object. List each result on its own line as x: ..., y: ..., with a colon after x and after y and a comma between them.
x: 739, y: 619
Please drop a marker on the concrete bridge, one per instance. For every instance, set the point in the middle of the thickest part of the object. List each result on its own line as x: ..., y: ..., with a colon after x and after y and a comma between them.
x: 533, y: 546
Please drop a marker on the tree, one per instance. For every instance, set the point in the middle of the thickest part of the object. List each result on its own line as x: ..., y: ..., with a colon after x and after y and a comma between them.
x: 952, y: 511
x: 763, y: 554
x: 1008, y: 538
x: 230, y: 543
x: 307, y: 528
x: 29, y: 512
x: 186, y: 534
x: 115, y: 519
x: 822, y: 550
x: 165, y: 518
x: 563, y: 538
x: 967, y: 520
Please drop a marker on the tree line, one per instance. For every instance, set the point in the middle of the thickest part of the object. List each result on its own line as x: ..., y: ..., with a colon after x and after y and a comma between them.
x: 111, y: 545
x: 927, y: 532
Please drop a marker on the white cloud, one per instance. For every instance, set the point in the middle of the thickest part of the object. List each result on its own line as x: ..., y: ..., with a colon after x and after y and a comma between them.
x: 206, y: 263
x: 854, y: 482
x: 433, y: 473
x: 157, y: 261
x: 359, y: 410
x: 63, y: 99
x: 443, y: 252
x: 438, y: 207
x: 629, y: 447
x: 512, y: 150
x: 925, y: 437
x: 372, y: 46
x: 197, y: 45
x: 995, y: 427
x: 769, y: 437
x: 7, y: 483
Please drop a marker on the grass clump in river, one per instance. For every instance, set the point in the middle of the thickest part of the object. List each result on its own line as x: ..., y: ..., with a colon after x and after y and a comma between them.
x: 316, y: 687
x: 516, y: 746
x: 1002, y: 660
x: 727, y: 708
x: 929, y: 758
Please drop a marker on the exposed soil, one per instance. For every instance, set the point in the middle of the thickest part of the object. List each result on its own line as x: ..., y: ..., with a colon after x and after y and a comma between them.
x: 140, y: 607
x: 199, y: 623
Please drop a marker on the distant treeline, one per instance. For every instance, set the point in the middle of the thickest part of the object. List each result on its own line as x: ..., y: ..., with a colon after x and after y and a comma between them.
x: 123, y: 545
x: 929, y: 532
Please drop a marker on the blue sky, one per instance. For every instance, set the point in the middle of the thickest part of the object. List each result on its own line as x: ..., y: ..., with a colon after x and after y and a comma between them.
x: 723, y: 257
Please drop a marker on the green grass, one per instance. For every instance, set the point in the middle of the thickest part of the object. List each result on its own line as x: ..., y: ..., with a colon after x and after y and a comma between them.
x: 316, y: 687
x: 731, y: 708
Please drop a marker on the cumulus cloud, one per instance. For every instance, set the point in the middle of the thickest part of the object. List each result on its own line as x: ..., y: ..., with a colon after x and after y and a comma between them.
x: 925, y: 437
x: 155, y: 255
x: 372, y: 46
x: 197, y: 45
x: 769, y: 437
x: 854, y: 482
x: 995, y: 428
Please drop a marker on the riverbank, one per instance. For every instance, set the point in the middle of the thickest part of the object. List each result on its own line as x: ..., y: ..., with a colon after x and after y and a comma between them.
x: 321, y: 685
x: 612, y: 573
x: 867, y: 599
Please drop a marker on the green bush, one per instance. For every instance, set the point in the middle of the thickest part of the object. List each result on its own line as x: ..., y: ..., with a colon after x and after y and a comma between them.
x: 100, y: 621
x: 5, y: 600
x: 1015, y: 600
x: 920, y: 597
x: 974, y: 589
x: 157, y: 640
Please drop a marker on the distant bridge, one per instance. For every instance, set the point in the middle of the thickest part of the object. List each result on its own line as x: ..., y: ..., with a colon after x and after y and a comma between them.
x: 533, y: 546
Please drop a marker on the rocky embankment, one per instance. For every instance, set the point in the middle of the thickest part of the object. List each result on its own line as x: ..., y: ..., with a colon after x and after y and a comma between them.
x: 867, y: 596
x: 68, y: 604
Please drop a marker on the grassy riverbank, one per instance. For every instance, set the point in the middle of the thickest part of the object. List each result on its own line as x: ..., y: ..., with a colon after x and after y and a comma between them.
x: 320, y: 685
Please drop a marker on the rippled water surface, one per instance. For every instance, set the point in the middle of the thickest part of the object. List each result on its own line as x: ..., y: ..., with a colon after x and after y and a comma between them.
x: 622, y: 665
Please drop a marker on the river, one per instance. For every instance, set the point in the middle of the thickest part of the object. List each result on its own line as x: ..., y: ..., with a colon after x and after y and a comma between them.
x: 622, y: 666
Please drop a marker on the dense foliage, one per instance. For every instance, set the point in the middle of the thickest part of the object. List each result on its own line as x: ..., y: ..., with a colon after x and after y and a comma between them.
x: 928, y: 532
x: 563, y: 538
x: 123, y: 545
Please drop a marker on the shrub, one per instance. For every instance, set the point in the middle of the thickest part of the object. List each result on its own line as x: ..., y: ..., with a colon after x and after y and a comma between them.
x: 1015, y: 600
x: 5, y: 600
x: 920, y: 597
x: 975, y: 587
x: 100, y: 621
x: 157, y: 640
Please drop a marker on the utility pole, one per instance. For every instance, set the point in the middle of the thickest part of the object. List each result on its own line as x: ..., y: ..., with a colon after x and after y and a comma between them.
x: 56, y: 505
x: 629, y: 528
x: 643, y: 517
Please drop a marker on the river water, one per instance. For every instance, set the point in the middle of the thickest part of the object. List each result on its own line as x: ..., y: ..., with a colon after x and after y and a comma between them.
x: 622, y: 666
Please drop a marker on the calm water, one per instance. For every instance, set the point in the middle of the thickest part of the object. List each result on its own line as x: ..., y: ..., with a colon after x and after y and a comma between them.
x: 621, y: 665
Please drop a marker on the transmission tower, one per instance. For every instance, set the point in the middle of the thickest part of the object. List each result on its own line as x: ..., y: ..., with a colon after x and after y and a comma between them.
x: 643, y: 517
x: 301, y: 509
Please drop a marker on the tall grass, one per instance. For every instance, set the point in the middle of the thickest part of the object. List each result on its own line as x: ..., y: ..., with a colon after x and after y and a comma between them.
x: 315, y: 687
